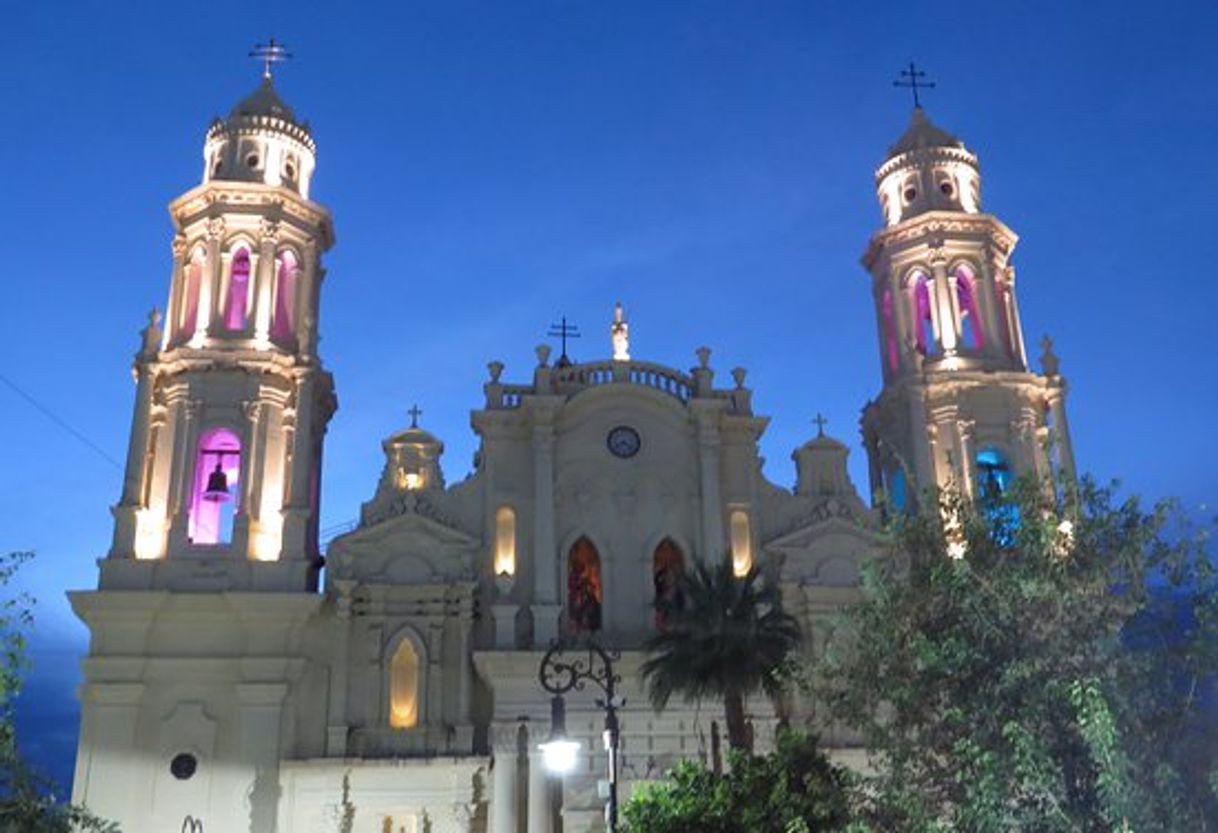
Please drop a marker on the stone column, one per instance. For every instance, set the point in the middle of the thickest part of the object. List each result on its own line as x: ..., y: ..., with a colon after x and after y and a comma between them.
x: 261, y: 704
x: 209, y: 281
x: 336, y: 720
x: 964, y: 441
x: 989, y: 295
x: 434, y: 714
x: 298, y: 511
x: 185, y: 439
x: 545, y: 570
x: 265, y: 278
x: 1061, y: 431
x: 541, y: 787
x: 1016, y: 326
x: 706, y: 414
x: 177, y: 288
x: 505, y: 738
x: 941, y: 303
x: 109, y: 772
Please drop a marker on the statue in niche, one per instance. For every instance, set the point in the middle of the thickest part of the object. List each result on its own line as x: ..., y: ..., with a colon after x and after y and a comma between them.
x: 584, y: 591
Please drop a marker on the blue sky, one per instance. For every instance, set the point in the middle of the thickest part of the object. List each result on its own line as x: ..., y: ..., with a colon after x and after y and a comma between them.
x: 494, y: 165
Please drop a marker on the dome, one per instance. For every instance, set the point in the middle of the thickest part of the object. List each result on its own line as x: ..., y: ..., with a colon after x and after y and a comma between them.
x: 264, y: 101
x: 922, y: 133
x: 412, y: 436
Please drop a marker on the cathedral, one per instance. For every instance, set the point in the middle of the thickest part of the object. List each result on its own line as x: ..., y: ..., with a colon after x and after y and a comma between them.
x: 232, y: 685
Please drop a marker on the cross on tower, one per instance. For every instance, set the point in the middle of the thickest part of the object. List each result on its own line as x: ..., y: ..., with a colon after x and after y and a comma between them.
x: 564, y: 331
x: 415, y: 412
x: 271, y: 52
x: 820, y: 421
x: 912, y: 79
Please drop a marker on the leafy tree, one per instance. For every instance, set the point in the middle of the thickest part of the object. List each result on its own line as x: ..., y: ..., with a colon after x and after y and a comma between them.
x: 1032, y: 682
x: 793, y: 790
x: 725, y: 639
x: 27, y: 803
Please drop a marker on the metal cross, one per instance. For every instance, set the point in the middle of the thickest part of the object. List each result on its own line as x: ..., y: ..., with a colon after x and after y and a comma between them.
x: 912, y: 78
x: 564, y: 331
x: 415, y: 412
x: 820, y: 421
x: 271, y: 52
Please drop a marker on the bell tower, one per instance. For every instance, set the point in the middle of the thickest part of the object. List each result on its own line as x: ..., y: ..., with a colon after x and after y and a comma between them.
x: 959, y: 403
x: 232, y: 401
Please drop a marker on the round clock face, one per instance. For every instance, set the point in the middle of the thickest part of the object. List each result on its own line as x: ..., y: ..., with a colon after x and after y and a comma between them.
x: 623, y: 441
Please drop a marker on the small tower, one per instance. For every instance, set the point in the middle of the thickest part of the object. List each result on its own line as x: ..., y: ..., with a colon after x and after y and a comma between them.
x: 959, y: 403
x: 232, y: 402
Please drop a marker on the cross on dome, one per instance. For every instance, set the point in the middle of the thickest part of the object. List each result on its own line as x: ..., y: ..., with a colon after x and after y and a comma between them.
x: 271, y: 52
x: 821, y: 421
x: 415, y: 412
x: 912, y: 79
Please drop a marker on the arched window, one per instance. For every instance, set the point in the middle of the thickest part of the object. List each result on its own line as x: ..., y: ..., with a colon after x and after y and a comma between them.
x: 924, y: 322
x: 192, y: 279
x: 993, y: 473
x: 966, y: 300
x: 282, y: 324
x: 237, y: 305
x: 404, y: 686
x: 898, y: 489
x: 742, y: 542
x: 584, y: 589
x: 667, y: 564
x: 892, y: 350
x: 215, y: 491
x: 505, y: 541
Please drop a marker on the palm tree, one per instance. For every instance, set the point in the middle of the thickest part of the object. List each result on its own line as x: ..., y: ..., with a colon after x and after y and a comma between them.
x: 726, y: 639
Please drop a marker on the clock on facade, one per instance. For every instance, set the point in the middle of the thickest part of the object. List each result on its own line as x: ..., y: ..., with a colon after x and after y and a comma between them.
x: 623, y: 441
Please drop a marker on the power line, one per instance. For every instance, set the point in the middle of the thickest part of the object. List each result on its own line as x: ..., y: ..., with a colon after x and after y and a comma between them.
x: 53, y: 417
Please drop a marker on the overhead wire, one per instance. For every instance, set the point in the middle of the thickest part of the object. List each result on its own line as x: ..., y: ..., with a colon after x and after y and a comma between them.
x: 59, y: 421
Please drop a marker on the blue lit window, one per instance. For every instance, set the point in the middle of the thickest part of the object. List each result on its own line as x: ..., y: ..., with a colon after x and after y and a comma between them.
x: 994, y: 476
x: 897, y: 490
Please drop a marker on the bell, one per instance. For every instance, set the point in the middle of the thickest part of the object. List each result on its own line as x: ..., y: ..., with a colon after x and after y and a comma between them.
x: 217, y: 486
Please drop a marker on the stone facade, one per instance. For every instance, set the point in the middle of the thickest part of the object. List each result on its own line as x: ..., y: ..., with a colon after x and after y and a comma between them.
x: 222, y: 683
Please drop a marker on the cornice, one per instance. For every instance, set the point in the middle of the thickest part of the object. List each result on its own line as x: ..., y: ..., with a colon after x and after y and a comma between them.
x: 932, y: 230
x: 217, y: 198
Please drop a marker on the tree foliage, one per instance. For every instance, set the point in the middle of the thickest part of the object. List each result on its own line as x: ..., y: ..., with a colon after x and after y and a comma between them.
x: 27, y: 801
x: 1050, y: 679
x: 725, y: 640
x: 793, y: 790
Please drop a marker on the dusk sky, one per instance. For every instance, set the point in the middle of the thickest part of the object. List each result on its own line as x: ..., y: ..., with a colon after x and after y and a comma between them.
x: 492, y: 166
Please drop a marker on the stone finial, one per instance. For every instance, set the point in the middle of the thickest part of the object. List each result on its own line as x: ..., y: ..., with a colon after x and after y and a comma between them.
x: 152, y: 332
x: 1049, y: 361
x: 703, y: 354
x: 738, y: 374
x: 496, y: 370
x: 543, y: 354
x: 619, y: 333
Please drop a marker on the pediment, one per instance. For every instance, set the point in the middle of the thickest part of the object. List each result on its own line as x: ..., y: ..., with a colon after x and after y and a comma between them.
x: 405, y: 549
x: 828, y: 552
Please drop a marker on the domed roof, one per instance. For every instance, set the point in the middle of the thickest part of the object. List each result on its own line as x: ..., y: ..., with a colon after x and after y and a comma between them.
x: 413, y: 436
x: 264, y: 101
x: 922, y: 133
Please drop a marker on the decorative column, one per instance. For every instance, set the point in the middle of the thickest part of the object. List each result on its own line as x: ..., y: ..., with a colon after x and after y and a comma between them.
x: 964, y: 442
x: 1061, y: 431
x: 177, y: 288
x: 545, y: 570
x: 264, y: 286
x: 434, y: 713
x: 989, y: 295
x: 945, y: 324
x: 336, y: 720
x: 298, y: 509
x: 505, y: 738
x: 185, y: 438
x: 541, y: 786
x: 208, y: 281
x: 261, y: 705
x: 709, y: 446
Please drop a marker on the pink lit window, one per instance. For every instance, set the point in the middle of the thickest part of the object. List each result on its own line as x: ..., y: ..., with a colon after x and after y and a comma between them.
x: 927, y: 341
x: 285, y: 297
x: 215, y: 490
x: 238, y: 291
x: 966, y: 296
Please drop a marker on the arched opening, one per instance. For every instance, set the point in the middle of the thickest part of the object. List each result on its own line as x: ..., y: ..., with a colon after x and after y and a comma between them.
x: 898, y: 490
x: 966, y: 301
x: 505, y: 541
x: 236, y: 306
x: 404, y: 686
x: 216, y: 489
x: 667, y: 565
x: 188, y: 317
x: 584, y: 588
x: 892, y: 350
x: 282, y: 323
x: 742, y: 542
x: 925, y: 338
x: 994, y: 478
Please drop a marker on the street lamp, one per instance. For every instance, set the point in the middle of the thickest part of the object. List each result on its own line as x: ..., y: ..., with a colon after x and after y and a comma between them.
x: 571, y: 669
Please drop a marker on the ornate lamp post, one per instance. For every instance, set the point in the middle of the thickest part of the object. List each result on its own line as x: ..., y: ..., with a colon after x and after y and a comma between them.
x: 566, y: 669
